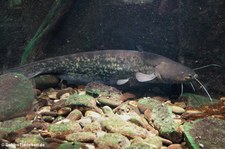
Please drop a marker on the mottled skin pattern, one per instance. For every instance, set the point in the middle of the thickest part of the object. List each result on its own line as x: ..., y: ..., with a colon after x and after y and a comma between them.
x: 108, y: 66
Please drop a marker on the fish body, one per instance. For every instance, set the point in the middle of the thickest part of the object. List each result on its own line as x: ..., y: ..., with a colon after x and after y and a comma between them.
x: 113, y: 67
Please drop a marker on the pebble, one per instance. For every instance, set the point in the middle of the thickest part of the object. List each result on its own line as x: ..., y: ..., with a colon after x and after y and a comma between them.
x: 48, y: 118
x: 150, y: 142
x: 30, y: 139
x: 37, y: 91
x: 63, y: 121
x: 178, y: 121
x: 194, y: 112
x: 82, y: 92
x: 100, y: 133
x: 107, y: 110
x: 44, y: 109
x: 61, y: 129
x: 84, y: 121
x: 65, y: 92
x: 59, y: 119
x: 65, y: 96
x: 112, y: 140
x: 56, y: 100
x: 93, y: 115
x: 90, y: 146
x: 133, y: 103
x: 166, y: 141
x: 92, y: 126
x: 52, y: 95
x: 126, y: 107
x: 64, y: 111
x: 74, y: 115
x: 222, y: 98
x: 201, y: 145
x: 43, y: 95
x: 175, y: 146
x: 81, y: 137
x: 117, y: 125
x: 177, y: 110
x: 181, y: 104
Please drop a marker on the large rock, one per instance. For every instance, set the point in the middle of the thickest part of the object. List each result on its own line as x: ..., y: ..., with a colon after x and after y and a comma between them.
x: 16, y: 95
x: 205, y: 133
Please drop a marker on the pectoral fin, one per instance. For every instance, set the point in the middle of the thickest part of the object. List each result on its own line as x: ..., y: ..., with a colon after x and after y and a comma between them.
x: 141, y: 77
x: 122, y: 81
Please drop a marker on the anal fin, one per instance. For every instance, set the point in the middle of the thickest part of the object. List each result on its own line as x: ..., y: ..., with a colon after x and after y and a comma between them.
x: 122, y: 81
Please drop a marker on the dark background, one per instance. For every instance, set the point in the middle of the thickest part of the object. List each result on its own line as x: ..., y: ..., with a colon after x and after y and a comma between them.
x: 191, y: 32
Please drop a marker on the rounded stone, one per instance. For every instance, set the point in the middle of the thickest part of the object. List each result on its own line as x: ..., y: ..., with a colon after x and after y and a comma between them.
x: 177, y: 109
x: 175, y: 146
x: 16, y: 95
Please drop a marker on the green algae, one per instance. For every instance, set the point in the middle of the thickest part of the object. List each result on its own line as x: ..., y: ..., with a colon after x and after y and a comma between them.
x: 150, y: 142
x: 16, y: 95
x: 29, y: 139
x: 95, y: 88
x: 190, y: 140
x: 161, y: 114
x: 14, y: 124
x: 117, y: 125
x: 111, y: 100
x: 81, y: 137
x: 198, y: 100
x: 64, y: 128
x: 162, y: 118
x: 139, y: 145
x: 206, y: 133
x: 73, y: 145
x: 81, y: 100
x: 112, y: 140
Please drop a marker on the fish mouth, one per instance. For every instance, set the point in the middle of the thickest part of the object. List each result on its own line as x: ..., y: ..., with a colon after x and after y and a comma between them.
x: 190, y: 77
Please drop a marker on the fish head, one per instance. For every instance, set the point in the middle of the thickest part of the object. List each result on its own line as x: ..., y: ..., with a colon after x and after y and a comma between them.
x: 173, y: 72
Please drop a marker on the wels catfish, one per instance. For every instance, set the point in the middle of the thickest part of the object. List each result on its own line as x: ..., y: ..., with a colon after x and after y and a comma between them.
x: 112, y: 67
